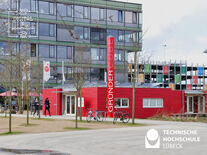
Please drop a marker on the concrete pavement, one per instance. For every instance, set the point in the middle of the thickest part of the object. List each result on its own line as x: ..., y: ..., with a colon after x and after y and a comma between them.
x: 121, y: 141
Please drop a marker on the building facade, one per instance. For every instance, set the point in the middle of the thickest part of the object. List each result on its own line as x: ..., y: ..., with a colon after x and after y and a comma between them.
x: 178, y: 76
x: 72, y: 30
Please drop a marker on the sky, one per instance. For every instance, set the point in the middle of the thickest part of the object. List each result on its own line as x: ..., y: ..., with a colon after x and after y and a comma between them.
x: 181, y: 25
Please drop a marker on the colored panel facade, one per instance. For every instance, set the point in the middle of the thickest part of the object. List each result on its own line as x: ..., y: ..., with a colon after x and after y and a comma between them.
x: 141, y: 78
x: 183, y: 70
x: 159, y: 78
x: 189, y: 87
x: 172, y: 86
x: 177, y: 78
x: 200, y: 71
x: 147, y: 69
x: 195, y: 79
x: 165, y: 69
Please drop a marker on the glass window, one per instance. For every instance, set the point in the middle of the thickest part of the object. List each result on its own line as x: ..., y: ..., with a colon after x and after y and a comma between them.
x: 78, y: 11
x: 130, y: 36
x: 86, y: 33
x: 153, y: 103
x: 101, y: 15
x: 159, y: 102
x: 52, y: 51
x: 86, y: 12
x: 65, y: 33
x: 33, y: 50
x: 121, y: 55
x: 52, y: 8
x: 69, y: 10
x: 140, y: 18
x: 79, y: 33
x: 69, y: 53
x: 61, y: 52
x: 121, y: 102
x: 44, y: 51
x: 113, y: 33
x: 112, y: 15
x: 125, y: 102
x: 116, y: 55
x: 117, y: 102
x: 13, y: 4
x: 43, y: 29
x: 101, y: 54
x: 94, y: 54
x: 139, y: 37
x: 33, y: 5
x: 46, y: 29
x: 95, y: 13
x: 61, y: 8
x: 128, y: 17
x: 52, y: 30
x: 33, y: 27
x: 69, y: 73
x: 94, y: 34
x: 121, y: 36
x: 24, y: 4
x: 43, y: 7
x: 120, y: 16
x: 134, y: 18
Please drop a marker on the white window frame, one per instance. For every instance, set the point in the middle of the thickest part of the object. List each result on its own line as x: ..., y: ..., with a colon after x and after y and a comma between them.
x: 121, y: 99
x: 149, y: 100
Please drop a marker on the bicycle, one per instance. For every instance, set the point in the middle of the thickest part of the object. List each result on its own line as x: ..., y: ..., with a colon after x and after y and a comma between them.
x: 123, y: 115
x: 97, y: 115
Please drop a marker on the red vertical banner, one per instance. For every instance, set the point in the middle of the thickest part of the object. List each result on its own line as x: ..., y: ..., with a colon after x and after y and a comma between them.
x: 165, y: 69
x: 189, y: 87
x: 110, y: 76
x: 195, y: 79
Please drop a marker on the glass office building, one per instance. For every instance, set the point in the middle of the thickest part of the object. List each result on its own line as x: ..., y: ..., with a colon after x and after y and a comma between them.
x: 67, y: 30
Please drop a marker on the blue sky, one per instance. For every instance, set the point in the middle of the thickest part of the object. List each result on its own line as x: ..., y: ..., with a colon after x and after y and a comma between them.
x: 179, y: 24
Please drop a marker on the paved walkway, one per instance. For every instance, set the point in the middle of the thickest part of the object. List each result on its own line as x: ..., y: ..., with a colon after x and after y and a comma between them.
x: 121, y: 141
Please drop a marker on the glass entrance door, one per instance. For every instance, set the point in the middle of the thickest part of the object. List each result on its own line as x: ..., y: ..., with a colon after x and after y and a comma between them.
x: 70, y: 105
x: 191, y: 105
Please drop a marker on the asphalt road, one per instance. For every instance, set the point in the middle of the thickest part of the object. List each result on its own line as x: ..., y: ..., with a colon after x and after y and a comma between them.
x: 123, y: 141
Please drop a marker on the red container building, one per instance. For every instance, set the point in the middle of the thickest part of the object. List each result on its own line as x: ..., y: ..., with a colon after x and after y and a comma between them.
x: 149, y: 102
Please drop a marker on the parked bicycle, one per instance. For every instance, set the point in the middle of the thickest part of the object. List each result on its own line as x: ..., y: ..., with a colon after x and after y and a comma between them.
x: 96, y: 115
x: 123, y: 115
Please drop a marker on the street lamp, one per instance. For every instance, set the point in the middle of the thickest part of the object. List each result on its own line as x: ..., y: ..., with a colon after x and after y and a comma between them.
x: 205, y: 51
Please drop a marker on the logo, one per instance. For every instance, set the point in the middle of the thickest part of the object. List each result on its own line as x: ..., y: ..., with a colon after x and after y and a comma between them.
x: 152, y: 139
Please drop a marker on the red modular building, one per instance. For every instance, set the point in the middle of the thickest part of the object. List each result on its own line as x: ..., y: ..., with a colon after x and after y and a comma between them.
x: 149, y: 102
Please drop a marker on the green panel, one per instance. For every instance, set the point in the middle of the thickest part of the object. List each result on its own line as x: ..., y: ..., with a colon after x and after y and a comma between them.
x: 177, y: 78
x: 147, y: 69
x: 71, y: 23
x: 183, y: 70
x: 159, y: 78
x: 105, y: 4
x: 65, y: 43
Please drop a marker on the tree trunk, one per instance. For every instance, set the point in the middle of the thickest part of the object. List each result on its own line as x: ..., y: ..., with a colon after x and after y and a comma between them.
x: 134, y: 82
x: 80, y: 104
x: 76, y: 110
x: 27, y: 100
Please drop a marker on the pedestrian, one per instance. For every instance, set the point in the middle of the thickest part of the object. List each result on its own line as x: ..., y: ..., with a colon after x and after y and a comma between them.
x: 47, y: 106
x: 36, y: 106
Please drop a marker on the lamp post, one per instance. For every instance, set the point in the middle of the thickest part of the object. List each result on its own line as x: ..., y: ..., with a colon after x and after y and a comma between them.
x: 205, y: 51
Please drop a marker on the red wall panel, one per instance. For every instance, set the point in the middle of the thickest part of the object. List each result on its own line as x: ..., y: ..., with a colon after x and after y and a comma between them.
x: 55, y: 101
x: 172, y: 100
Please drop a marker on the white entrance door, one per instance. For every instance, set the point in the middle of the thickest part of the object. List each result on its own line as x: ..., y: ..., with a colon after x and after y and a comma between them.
x: 70, y: 106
